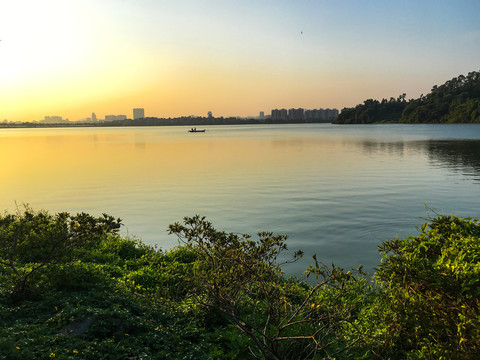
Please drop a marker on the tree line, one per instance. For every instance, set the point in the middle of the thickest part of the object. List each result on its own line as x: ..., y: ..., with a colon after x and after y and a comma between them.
x: 456, y: 101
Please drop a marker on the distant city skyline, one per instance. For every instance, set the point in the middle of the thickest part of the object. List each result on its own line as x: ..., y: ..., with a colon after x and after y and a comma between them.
x: 276, y: 114
x: 69, y: 58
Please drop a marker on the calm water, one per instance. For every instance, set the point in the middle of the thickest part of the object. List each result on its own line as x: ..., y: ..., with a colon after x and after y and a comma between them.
x: 337, y: 191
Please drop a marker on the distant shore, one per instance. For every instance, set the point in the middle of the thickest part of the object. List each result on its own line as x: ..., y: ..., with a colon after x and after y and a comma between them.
x: 153, y: 121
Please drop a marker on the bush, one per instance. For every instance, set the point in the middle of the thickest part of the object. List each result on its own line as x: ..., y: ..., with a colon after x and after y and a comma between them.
x: 432, y: 283
x: 242, y: 279
x: 224, y: 295
x: 33, y: 241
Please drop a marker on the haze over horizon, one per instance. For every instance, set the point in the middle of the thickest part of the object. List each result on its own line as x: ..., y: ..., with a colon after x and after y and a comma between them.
x: 234, y: 58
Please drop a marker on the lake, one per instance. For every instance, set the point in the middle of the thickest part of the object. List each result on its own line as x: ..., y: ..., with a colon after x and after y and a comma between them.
x: 336, y: 190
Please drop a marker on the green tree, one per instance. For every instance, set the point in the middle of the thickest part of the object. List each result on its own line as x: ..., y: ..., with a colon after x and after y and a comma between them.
x: 455, y: 101
x: 243, y: 280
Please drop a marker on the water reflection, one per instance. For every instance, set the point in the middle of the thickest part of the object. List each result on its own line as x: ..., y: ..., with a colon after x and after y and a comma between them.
x: 463, y: 155
x: 371, y: 147
x: 457, y: 155
x: 336, y: 191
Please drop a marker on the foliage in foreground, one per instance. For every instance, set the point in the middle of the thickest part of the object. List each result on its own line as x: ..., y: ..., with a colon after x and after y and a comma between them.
x: 243, y: 279
x: 432, y: 283
x: 71, y: 287
x: 42, y: 240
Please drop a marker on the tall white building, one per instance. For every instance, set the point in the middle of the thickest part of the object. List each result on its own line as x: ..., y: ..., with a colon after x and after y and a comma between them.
x: 138, y: 113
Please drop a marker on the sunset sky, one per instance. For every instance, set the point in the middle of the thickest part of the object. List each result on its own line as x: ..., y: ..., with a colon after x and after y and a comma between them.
x: 235, y: 58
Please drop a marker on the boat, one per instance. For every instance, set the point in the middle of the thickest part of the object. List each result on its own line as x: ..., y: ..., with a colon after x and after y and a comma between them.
x: 195, y: 130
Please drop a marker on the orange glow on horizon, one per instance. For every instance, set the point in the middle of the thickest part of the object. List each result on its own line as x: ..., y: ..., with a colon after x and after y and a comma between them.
x: 72, y: 58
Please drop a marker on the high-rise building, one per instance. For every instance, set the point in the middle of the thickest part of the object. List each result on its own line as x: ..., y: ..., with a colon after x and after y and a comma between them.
x: 115, y: 117
x: 94, y: 117
x: 296, y: 114
x: 279, y: 114
x: 138, y: 113
x: 316, y: 115
x: 210, y: 114
x: 262, y: 115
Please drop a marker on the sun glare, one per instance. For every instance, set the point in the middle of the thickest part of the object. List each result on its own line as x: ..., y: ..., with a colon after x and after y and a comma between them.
x: 42, y: 39
x: 61, y: 56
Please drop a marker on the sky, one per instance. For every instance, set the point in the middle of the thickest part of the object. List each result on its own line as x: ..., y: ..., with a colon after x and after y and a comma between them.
x: 174, y: 58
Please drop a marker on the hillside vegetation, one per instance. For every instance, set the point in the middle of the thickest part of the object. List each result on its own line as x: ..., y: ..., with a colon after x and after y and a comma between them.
x: 72, y: 288
x: 456, y: 101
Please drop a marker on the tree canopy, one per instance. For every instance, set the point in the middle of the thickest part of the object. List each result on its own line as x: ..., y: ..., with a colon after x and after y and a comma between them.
x: 456, y: 101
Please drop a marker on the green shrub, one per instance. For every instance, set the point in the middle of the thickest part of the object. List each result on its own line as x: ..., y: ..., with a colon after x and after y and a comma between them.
x: 191, y: 301
x: 433, y: 286
x: 242, y: 279
x: 33, y: 241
